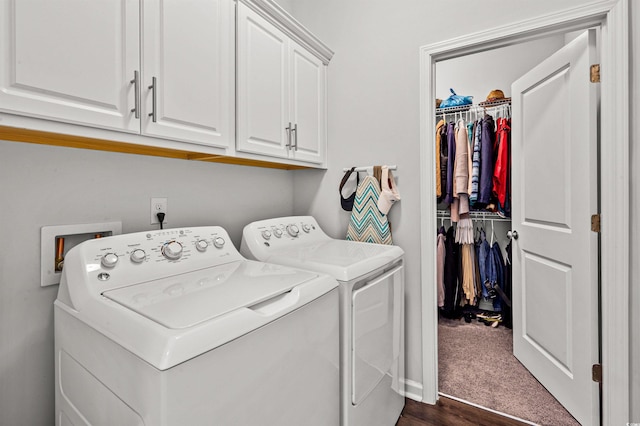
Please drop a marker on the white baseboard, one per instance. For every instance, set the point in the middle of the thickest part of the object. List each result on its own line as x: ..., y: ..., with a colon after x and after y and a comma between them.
x: 412, y: 390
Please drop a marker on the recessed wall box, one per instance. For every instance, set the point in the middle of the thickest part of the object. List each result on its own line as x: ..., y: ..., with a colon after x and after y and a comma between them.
x: 61, y: 238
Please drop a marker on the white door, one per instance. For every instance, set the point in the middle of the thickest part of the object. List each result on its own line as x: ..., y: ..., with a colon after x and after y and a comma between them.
x: 308, y: 111
x: 70, y: 60
x: 263, y: 86
x: 189, y: 50
x: 555, y: 264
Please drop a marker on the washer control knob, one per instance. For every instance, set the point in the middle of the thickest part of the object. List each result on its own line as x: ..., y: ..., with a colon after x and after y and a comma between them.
x: 218, y: 242
x: 109, y: 260
x: 172, y: 250
x: 306, y: 228
x: 138, y: 256
x: 202, y: 245
x: 293, y: 230
x: 277, y: 232
x: 266, y: 234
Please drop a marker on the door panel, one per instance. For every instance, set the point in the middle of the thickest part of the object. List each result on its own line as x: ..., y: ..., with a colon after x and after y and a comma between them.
x: 263, y: 94
x: 377, y: 334
x: 555, y: 266
x: 70, y: 61
x: 188, y: 48
x: 308, y: 108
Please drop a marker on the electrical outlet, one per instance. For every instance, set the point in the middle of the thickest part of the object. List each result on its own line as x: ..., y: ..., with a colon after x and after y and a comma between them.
x: 158, y: 205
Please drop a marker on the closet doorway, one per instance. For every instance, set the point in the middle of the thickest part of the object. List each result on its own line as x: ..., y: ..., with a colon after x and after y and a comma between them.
x: 551, y: 315
x: 611, y: 18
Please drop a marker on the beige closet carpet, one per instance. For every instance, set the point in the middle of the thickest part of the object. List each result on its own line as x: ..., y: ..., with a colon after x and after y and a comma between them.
x: 476, y: 363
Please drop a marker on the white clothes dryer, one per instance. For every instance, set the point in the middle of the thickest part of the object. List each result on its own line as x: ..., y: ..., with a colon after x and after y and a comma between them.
x: 175, y: 327
x: 371, y: 278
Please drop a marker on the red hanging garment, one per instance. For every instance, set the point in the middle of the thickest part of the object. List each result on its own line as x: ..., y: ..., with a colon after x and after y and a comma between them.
x: 501, y: 169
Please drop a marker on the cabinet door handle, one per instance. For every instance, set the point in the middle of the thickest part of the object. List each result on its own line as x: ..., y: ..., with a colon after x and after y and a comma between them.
x: 295, y: 136
x: 136, y: 94
x: 288, y: 129
x: 153, y: 89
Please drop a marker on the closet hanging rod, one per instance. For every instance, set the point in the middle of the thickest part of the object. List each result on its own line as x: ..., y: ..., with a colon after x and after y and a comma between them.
x: 365, y: 168
x: 477, y: 215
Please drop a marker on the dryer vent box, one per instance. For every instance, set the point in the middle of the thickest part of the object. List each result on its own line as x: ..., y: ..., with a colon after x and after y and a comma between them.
x: 56, y: 241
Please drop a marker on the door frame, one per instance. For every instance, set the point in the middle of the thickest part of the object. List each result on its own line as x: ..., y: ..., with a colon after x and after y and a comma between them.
x: 612, y: 16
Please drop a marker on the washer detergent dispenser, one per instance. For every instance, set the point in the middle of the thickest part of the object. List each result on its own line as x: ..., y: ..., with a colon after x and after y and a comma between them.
x: 371, y: 278
x: 175, y: 327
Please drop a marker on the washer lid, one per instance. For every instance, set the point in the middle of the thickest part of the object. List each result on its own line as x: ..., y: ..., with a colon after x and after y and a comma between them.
x: 186, y: 300
x: 344, y: 260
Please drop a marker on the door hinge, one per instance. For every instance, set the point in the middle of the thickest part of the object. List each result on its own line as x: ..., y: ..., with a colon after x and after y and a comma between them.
x: 595, y: 73
x: 596, y: 373
x: 595, y: 222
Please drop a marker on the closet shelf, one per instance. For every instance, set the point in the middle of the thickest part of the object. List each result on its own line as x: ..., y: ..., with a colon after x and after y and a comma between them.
x: 477, y: 215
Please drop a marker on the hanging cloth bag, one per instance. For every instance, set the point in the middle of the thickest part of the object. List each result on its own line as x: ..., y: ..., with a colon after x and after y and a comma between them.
x: 388, y: 191
x: 367, y: 223
x: 347, y: 203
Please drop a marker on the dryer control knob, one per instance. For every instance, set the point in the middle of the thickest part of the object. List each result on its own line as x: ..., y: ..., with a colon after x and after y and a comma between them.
x: 109, y: 260
x: 277, y: 233
x: 218, y: 242
x: 306, y: 228
x: 138, y: 256
x: 172, y: 250
x: 266, y: 234
x: 293, y: 230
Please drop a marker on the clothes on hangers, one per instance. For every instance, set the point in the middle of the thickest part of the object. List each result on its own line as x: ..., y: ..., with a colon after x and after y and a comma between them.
x: 441, y: 253
x: 487, y: 170
x: 502, y: 167
x: 475, y: 164
x: 451, y: 308
x: 461, y: 168
x: 439, y: 133
x: 486, y: 161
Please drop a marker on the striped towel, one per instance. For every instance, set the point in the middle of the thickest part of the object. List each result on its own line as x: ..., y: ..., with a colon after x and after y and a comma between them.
x: 367, y: 224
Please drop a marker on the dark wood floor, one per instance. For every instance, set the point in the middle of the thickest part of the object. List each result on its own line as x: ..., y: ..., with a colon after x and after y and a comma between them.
x: 450, y: 412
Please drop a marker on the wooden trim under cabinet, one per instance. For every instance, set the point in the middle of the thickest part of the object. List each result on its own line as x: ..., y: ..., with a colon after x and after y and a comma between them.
x: 14, y: 134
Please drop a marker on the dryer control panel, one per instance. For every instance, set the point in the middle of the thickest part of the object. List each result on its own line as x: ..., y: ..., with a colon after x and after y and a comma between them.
x: 282, y: 232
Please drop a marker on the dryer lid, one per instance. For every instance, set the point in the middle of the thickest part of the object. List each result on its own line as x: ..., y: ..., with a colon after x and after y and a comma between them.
x: 344, y: 260
x: 186, y: 300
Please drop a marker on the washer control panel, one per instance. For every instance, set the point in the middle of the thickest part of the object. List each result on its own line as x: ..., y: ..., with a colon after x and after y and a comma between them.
x: 143, y: 256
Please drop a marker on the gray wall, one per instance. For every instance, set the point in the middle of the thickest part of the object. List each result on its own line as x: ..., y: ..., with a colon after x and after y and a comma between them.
x: 44, y: 185
x: 374, y: 114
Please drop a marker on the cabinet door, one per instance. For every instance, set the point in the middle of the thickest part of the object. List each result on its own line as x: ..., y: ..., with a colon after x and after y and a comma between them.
x: 263, y: 94
x: 70, y: 60
x: 308, y: 110
x: 188, y: 49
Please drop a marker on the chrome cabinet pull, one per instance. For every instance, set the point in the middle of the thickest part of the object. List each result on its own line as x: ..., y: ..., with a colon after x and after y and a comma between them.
x: 153, y: 89
x: 288, y: 129
x: 136, y: 94
x: 295, y: 137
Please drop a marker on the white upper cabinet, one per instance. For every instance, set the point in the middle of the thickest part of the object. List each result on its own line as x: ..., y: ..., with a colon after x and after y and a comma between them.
x: 81, y: 62
x: 263, y: 87
x: 281, y: 87
x: 70, y: 60
x: 188, y: 70
x: 308, y: 105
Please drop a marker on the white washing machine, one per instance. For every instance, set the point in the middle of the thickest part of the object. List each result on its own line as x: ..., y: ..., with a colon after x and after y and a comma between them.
x: 371, y: 278
x: 175, y: 327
